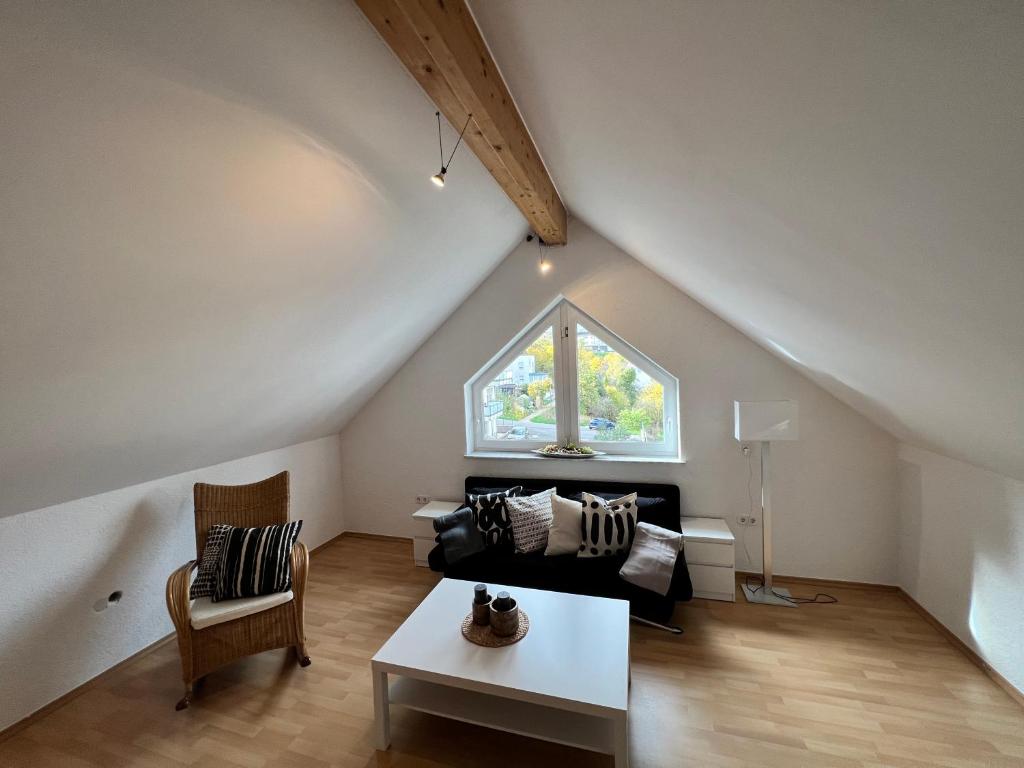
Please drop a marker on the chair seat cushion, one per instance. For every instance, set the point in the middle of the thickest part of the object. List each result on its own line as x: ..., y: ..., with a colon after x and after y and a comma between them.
x: 206, y: 613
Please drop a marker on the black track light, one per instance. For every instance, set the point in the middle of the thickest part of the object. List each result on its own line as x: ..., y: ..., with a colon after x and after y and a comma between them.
x: 438, y: 178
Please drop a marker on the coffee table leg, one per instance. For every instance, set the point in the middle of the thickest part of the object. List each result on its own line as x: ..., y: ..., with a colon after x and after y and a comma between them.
x: 382, y: 710
x: 621, y: 741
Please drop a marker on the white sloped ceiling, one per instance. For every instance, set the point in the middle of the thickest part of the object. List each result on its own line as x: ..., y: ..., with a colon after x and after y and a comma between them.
x: 217, y: 234
x: 844, y: 182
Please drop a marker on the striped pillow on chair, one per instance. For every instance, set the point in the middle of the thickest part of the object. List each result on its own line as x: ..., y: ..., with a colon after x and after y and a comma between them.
x: 256, y: 561
x: 206, y: 575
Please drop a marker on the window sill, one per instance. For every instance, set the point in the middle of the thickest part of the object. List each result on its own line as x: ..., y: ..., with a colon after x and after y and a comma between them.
x: 532, y: 456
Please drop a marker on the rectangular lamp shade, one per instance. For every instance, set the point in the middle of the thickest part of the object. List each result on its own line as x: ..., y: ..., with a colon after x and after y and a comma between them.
x: 766, y: 420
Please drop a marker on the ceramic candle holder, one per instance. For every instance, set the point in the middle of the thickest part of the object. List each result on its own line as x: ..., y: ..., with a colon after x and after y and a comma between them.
x: 504, y: 616
x: 481, y: 605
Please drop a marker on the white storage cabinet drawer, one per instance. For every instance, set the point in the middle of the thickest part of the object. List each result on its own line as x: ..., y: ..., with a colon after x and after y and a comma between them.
x: 710, y: 550
x: 420, y: 549
x: 703, y: 553
x: 713, y: 582
x: 423, y: 527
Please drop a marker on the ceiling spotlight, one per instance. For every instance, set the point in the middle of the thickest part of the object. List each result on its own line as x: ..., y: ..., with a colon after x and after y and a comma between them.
x: 438, y: 178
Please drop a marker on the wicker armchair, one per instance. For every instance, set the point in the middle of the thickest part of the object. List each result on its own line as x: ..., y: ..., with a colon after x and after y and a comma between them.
x: 281, y: 626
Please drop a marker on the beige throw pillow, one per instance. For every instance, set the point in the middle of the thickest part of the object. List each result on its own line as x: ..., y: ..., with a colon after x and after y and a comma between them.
x: 564, y: 533
x: 652, y: 559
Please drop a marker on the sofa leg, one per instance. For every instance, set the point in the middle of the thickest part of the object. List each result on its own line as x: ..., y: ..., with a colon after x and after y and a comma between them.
x: 300, y: 654
x: 185, y: 701
x: 665, y: 627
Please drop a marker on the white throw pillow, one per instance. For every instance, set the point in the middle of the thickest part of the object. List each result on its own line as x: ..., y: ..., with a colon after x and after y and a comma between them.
x: 531, y: 518
x: 564, y: 533
x: 652, y: 560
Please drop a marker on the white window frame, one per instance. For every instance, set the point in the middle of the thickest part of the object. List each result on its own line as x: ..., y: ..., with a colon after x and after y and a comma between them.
x: 476, y: 385
x: 562, y: 317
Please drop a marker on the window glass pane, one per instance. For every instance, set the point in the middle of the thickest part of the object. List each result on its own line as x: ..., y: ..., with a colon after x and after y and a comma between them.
x: 519, y: 403
x: 617, y: 401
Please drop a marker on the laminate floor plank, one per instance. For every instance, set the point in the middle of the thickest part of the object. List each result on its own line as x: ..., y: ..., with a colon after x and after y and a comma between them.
x: 867, y: 683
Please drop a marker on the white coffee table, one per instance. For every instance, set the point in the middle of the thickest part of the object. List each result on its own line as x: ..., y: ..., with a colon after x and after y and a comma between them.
x: 567, y: 681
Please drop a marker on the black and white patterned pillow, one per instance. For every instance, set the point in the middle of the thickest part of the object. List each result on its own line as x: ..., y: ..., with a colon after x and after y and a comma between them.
x: 206, y: 575
x: 256, y: 561
x: 607, y: 527
x: 531, y: 518
x: 491, y: 516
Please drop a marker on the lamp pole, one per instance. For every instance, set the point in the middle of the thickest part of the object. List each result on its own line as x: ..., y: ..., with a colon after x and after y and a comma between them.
x: 767, y: 593
x: 764, y: 422
x: 766, y: 515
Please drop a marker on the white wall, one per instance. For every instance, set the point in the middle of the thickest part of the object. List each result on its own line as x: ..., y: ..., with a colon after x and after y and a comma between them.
x: 56, y: 562
x: 961, y: 553
x: 844, y: 179
x: 835, y: 489
x: 206, y: 209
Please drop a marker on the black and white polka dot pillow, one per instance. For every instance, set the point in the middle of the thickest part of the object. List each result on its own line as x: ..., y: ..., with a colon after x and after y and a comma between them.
x: 491, y: 516
x: 607, y: 526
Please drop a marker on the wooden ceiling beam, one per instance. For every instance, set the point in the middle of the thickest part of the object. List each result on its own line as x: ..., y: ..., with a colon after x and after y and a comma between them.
x: 440, y: 44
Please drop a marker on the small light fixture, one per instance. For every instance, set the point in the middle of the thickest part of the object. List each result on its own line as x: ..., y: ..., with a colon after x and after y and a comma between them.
x: 438, y: 178
x: 543, y: 263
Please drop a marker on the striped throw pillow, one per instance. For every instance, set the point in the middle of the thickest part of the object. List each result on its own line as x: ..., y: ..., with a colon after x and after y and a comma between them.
x: 206, y: 575
x: 256, y: 561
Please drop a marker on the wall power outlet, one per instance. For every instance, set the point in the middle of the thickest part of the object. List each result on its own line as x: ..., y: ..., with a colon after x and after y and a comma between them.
x: 421, y: 500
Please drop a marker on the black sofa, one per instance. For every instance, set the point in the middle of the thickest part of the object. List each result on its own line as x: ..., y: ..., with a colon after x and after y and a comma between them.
x: 597, y: 576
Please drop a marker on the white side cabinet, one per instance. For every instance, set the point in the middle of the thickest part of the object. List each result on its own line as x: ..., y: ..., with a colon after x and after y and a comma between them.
x: 710, y: 550
x: 423, y: 527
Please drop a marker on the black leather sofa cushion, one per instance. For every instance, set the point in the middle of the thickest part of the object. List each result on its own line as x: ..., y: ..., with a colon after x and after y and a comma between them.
x: 458, y: 535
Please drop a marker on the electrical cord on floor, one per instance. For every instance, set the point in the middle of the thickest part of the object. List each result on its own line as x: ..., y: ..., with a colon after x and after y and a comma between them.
x: 827, y: 599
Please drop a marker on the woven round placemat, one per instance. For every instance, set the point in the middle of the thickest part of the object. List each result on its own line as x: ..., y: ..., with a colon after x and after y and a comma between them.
x: 485, y: 637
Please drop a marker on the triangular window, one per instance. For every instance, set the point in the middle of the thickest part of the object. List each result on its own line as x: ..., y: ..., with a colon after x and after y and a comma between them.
x: 565, y: 378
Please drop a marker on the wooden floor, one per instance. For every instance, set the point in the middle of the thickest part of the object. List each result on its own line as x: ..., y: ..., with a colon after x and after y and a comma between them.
x: 864, y: 683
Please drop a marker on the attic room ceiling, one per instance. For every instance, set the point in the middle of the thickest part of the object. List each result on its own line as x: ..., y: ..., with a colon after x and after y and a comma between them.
x: 843, y: 182
x: 217, y: 234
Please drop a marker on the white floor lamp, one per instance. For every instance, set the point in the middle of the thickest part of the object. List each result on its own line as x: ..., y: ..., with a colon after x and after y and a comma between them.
x: 765, y: 422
